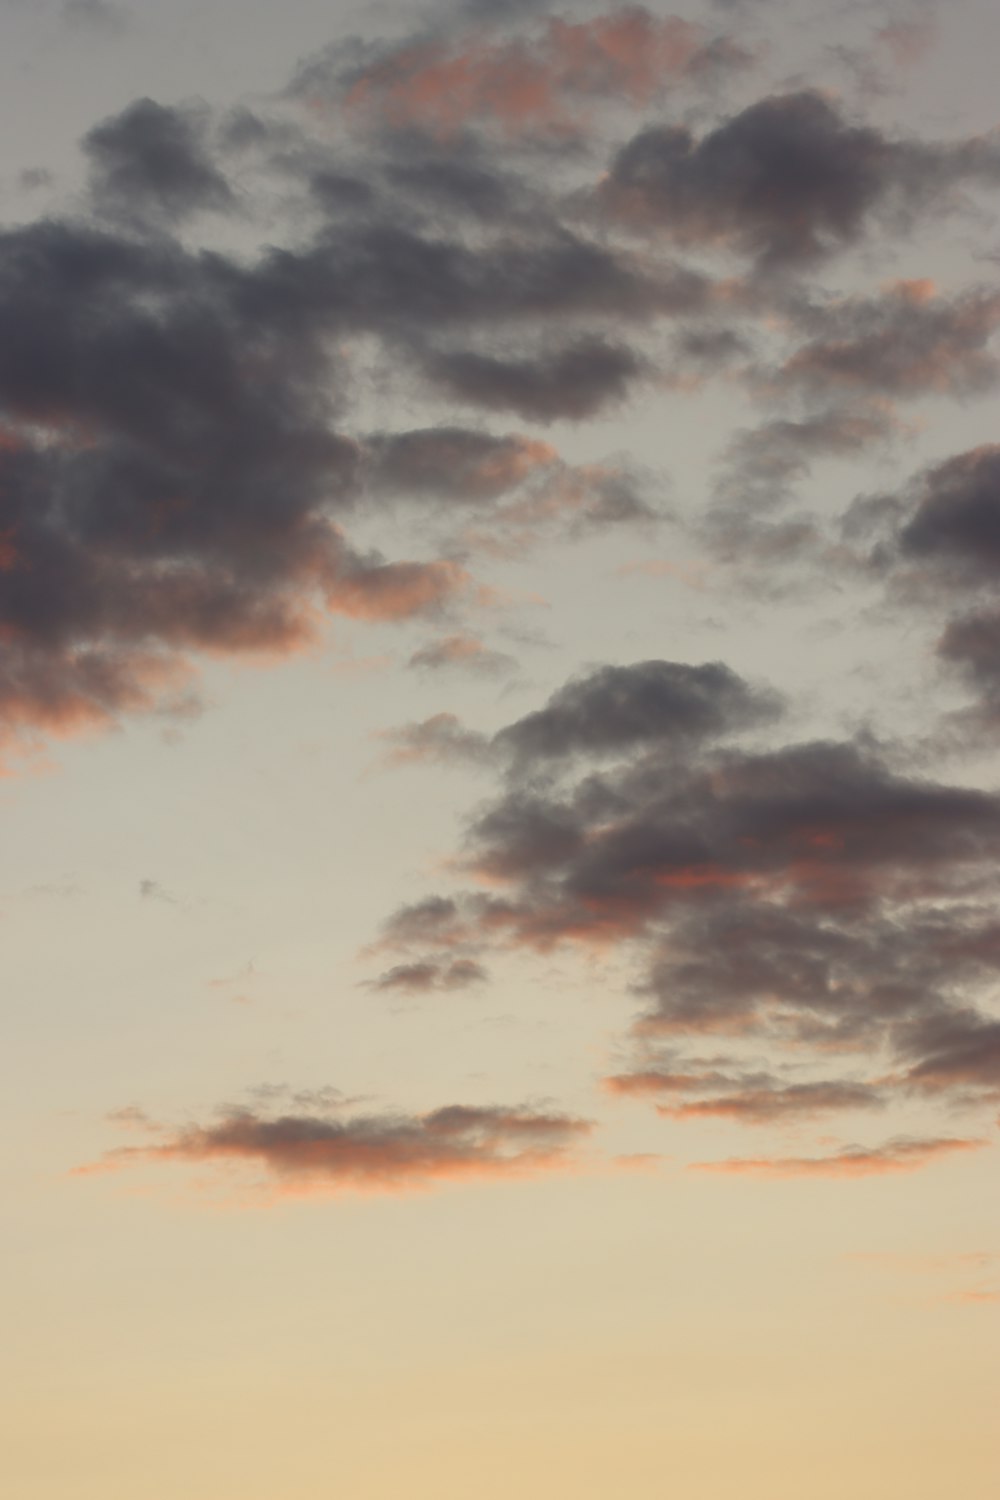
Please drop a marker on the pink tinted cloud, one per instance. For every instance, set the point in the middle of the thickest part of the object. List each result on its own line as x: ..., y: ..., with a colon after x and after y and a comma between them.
x: 534, y: 84
x: 376, y: 1153
x: 396, y: 591
x: 906, y: 1155
x: 84, y: 691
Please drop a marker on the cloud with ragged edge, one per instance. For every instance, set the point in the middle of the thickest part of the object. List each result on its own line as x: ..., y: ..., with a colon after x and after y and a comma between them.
x: 541, y: 84
x: 754, y: 1099
x: 598, y: 714
x: 427, y: 977
x: 936, y: 546
x: 498, y: 494
x: 813, y: 902
x: 328, y: 1154
x: 440, y: 738
x: 908, y: 341
x: 183, y: 455
x: 788, y: 181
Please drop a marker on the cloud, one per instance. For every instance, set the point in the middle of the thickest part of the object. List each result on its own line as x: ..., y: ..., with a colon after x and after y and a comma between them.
x: 570, y: 383
x: 311, y: 1153
x: 152, y: 890
x: 909, y: 341
x: 619, y: 708
x: 748, y: 1099
x: 788, y: 180
x: 763, y: 464
x: 537, y: 84
x: 153, y: 159
x: 852, y: 1161
x: 461, y: 653
x: 424, y: 978
x: 956, y: 1051
x: 814, y: 900
x: 441, y: 738
x: 971, y: 644
x: 816, y: 975
x: 814, y: 827
x: 459, y: 465
x: 63, y: 692
x: 182, y: 472
x: 936, y: 545
x: 954, y: 525
x: 499, y: 494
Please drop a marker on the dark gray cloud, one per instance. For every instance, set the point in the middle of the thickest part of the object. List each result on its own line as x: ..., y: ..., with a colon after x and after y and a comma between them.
x: 971, y: 644
x: 936, y: 545
x: 709, y: 349
x: 814, y: 899
x: 955, y: 1051
x: 179, y: 473
x: 955, y: 523
x: 571, y: 383
x: 826, y: 824
x: 171, y: 478
x: 426, y: 977
x: 155, y: 160
x: 787, y: 180
x: 749, y: 1099
x: 617, y: 709
x: 819, y: 973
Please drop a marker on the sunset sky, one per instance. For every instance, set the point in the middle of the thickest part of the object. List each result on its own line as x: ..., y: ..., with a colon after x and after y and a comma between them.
x: 499, y: 708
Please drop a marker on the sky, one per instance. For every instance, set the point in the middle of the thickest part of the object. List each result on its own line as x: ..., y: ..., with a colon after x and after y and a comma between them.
x: 499, y: 694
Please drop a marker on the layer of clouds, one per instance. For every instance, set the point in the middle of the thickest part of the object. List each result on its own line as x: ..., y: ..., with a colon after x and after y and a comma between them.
x: 182, y: 451
x: 815, y: 902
